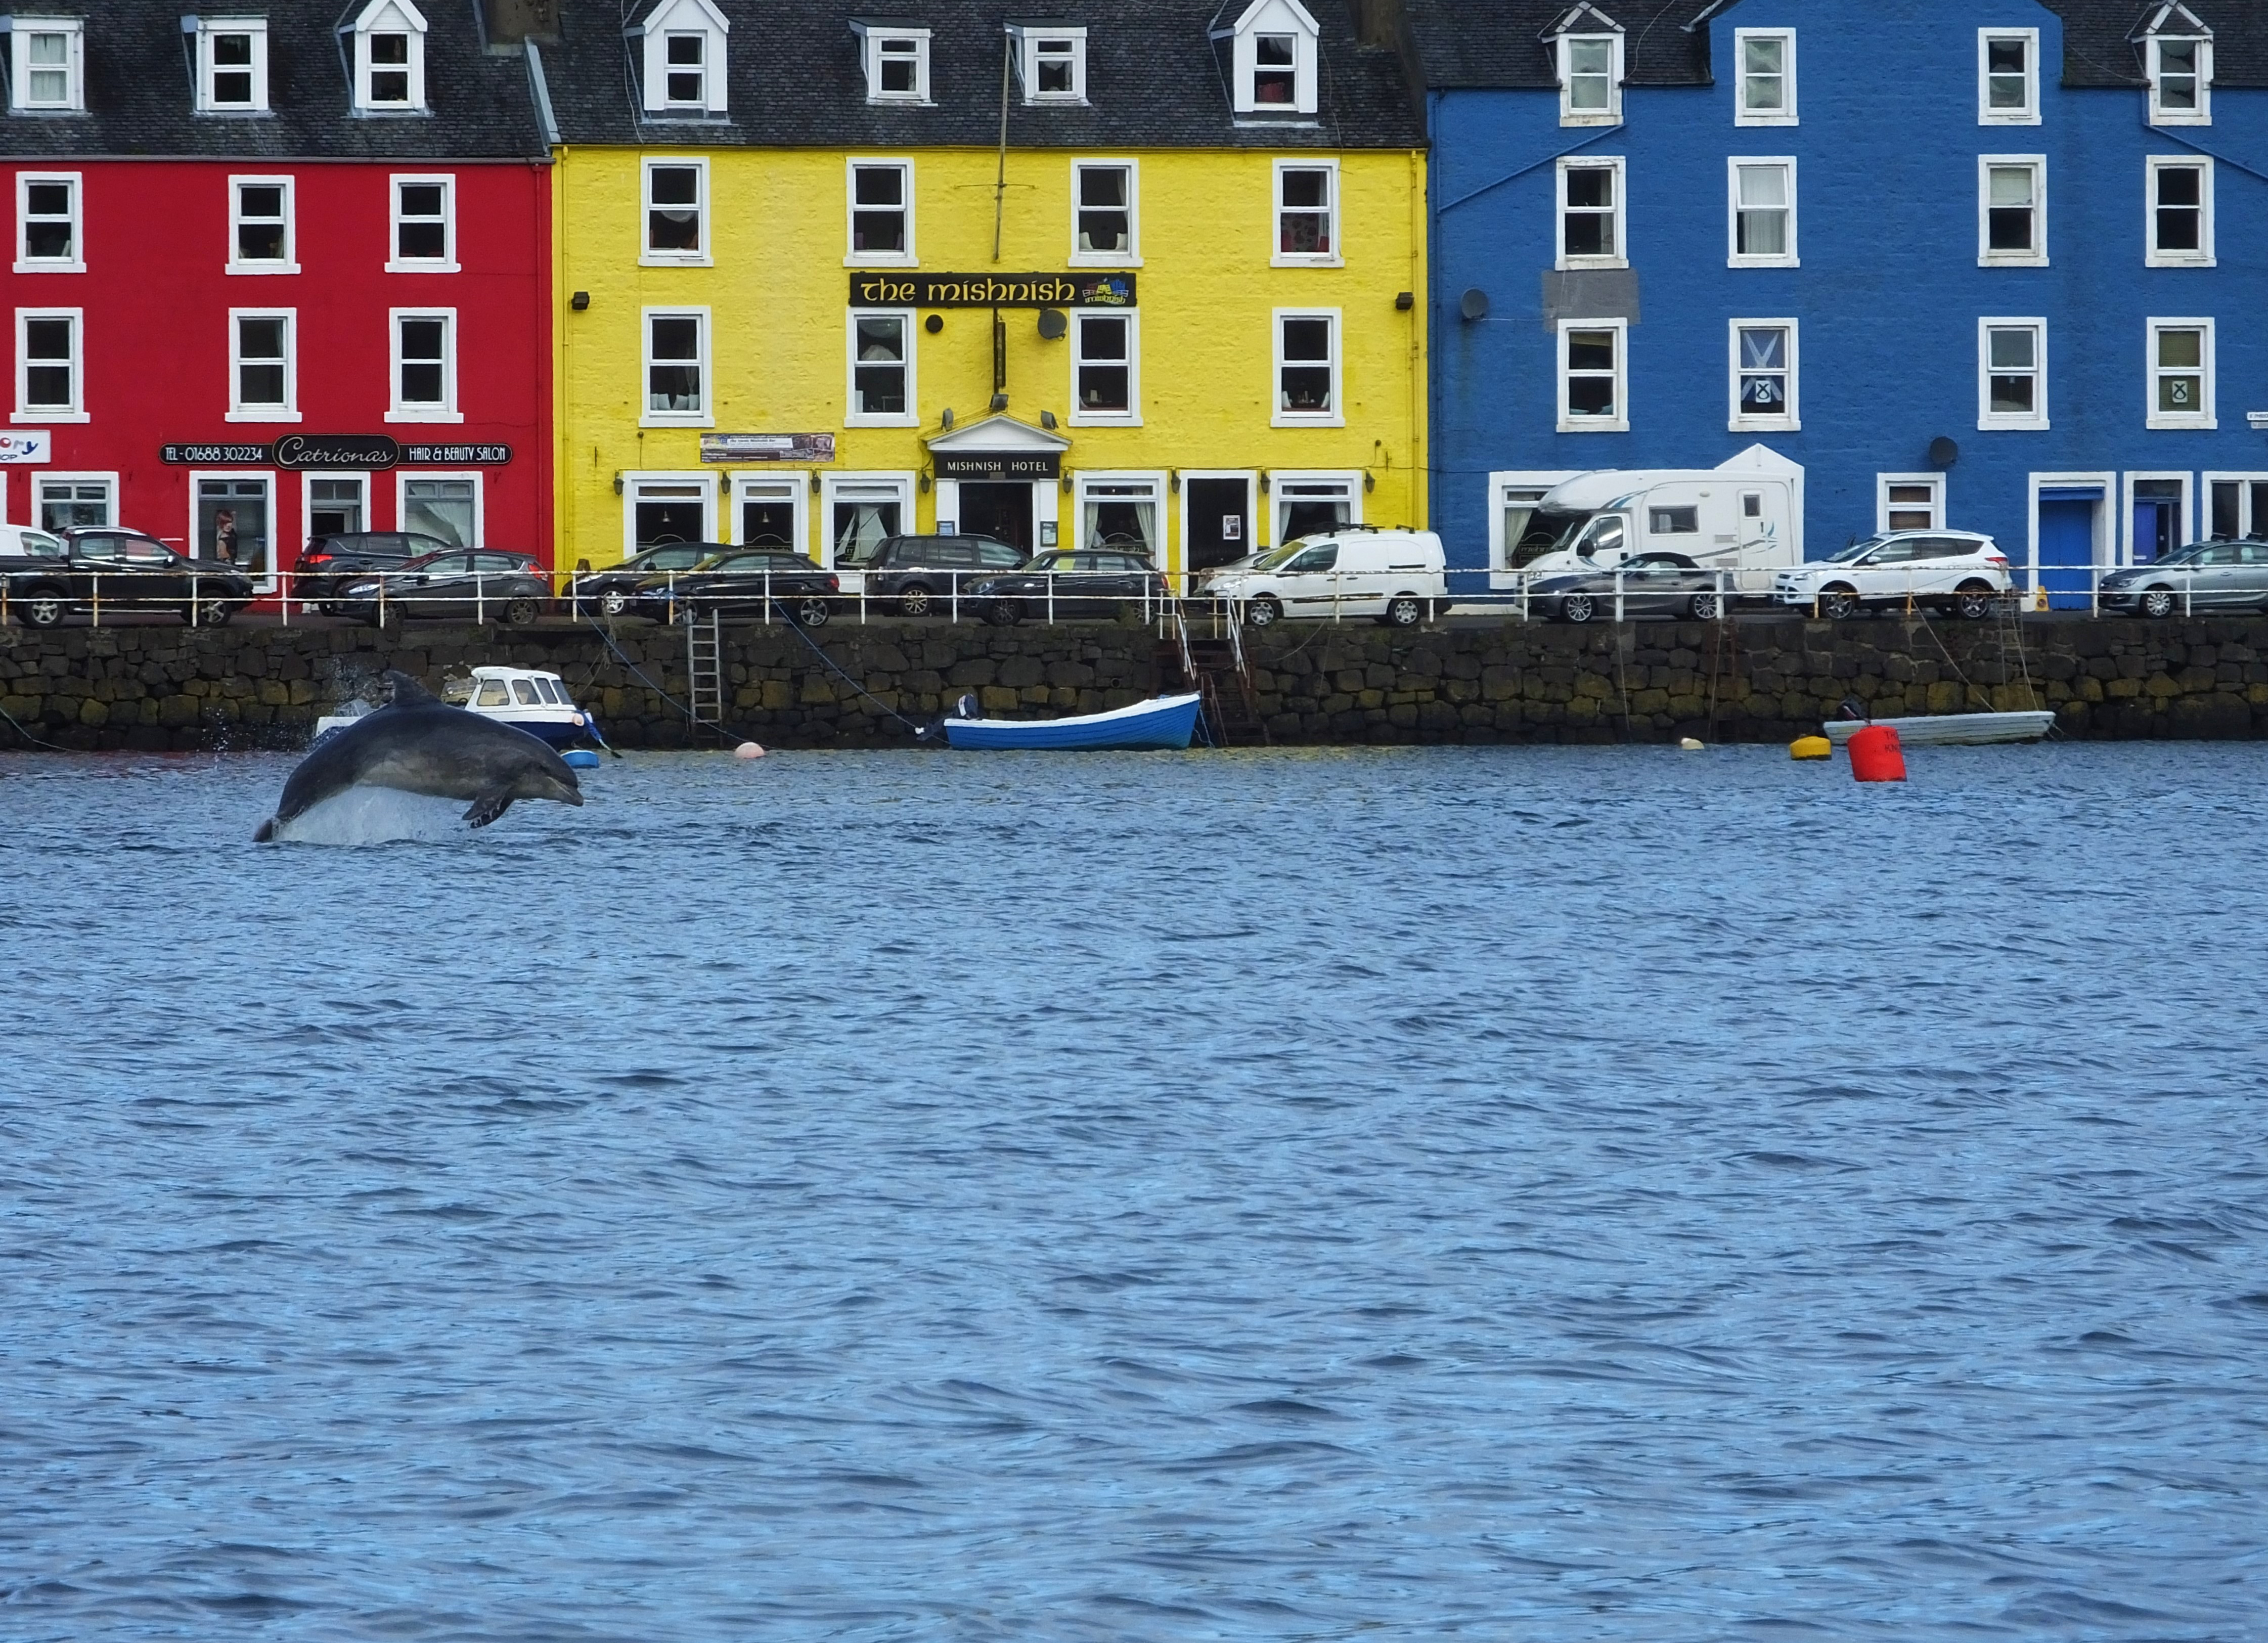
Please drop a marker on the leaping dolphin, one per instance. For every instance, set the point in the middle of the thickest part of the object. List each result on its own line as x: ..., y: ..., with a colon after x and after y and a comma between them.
x: 419, y: 744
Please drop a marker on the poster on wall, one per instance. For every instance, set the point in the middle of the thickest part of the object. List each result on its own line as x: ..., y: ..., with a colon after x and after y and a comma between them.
x: 766, y: 447
x: 27, y: 444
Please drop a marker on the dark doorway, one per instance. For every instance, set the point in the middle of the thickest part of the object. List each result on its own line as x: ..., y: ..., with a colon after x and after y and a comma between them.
x: 1001, y: 511
x: 1312, y: 518
x: 2157, y: 518
x: 766, y: 524
x: 1220, y: 521
x: 660, y: 522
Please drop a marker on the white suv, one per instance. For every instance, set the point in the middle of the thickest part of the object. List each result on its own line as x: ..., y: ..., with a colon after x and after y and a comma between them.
x: 1956, y: 570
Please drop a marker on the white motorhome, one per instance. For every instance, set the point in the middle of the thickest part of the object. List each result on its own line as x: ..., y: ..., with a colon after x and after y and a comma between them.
x: 1745, y: 517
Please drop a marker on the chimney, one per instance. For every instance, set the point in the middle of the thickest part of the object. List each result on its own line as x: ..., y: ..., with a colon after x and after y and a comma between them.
x: 510, y: 23
x: 1378, y: 22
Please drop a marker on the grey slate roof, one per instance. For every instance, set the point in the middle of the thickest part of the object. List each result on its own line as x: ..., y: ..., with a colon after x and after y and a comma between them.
x: 140, y: 99
x: 2097, y: 50
x: 1152, y: 79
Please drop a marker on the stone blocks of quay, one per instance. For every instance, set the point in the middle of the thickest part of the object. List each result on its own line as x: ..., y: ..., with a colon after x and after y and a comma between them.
x: 162, y: 687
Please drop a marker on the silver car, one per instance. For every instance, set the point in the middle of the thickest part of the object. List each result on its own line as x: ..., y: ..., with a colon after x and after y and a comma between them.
x: 2201, y: 577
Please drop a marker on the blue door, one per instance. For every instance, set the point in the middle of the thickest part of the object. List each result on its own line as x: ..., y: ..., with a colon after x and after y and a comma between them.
x: 2066, y: 531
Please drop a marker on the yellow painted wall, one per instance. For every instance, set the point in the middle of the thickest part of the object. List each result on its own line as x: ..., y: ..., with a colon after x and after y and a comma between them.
x: 778, y: 293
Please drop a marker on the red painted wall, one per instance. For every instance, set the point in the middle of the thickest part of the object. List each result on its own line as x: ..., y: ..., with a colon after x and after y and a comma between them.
x: 157, y: 297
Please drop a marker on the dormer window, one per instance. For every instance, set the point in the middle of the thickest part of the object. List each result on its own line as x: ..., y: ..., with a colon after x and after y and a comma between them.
x: 389, y: 58
x: 896, y: 62
x: 684, y: 58
x: 1586, y: 49
x: 1052, y: 62
x: 232, y: 65
x: 50, y: 65
x: 1272, y: 58
x: 2181, y: 78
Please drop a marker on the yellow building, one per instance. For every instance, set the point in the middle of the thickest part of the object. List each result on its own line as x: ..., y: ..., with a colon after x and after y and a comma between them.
x: 808, y: 295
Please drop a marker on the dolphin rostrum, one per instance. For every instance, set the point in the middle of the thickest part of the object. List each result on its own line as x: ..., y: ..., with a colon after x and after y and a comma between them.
x: 419, y: 744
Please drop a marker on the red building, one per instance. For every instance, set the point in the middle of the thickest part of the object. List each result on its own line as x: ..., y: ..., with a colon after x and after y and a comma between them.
x: 275, y: 276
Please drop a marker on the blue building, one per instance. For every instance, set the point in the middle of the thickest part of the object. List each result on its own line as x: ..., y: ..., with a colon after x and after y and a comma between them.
x: 1985, y: 264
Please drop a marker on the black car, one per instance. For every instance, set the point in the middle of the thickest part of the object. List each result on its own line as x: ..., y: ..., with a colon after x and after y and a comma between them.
x: 110, y: 570
x: 609, y: 592
x: 329, y: 562
x: 1652, y: 585
x: 736, y: 583
x: 462, y: 584
x: 922, y: 571
x: 1066, y: 585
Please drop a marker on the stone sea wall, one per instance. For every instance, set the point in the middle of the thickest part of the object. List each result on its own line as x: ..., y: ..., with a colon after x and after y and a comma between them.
x: 160, y: 686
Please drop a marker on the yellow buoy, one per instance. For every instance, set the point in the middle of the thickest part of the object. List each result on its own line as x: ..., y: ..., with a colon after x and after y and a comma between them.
x: 1811, y: 747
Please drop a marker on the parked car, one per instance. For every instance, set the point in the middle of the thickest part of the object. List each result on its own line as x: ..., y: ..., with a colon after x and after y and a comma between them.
x: 1956, y: 570
x: 1395, y: 576
x: 330, y: 562
x: 609, y: 591
x: 123, y: 570
x: 736, y: 583
x: 1652, y: 584
x: 2203, y: 576
x: 918, y: 571
x: 463, y: 584
x: 1067, y: 585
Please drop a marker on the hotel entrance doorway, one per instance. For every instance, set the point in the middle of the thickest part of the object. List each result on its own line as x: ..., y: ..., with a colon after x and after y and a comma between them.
x: 1000, y: 511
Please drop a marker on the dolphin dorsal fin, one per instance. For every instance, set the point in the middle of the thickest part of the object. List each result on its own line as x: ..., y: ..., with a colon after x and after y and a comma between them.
x: 407, y: 691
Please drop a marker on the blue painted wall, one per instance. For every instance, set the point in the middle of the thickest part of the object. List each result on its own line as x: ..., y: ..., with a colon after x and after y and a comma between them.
x: 1889, y: 292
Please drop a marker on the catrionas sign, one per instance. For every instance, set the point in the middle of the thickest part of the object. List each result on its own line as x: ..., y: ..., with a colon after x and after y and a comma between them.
x: 336, y: 451
x: 991, y: 290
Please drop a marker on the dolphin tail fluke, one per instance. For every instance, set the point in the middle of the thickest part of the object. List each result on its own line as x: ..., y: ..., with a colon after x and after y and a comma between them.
x: 488, y: 807
x: 267, y: 833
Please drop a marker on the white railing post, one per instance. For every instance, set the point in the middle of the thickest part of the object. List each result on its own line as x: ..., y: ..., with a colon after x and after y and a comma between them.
x: 952, y: 597
x: 95, y: 583
x: 194, y: 600
x: 1724, y: 598
x: 381, y: 601
x: 1051, y: 598
x: 2189, y: 593
x: 480, y: 600
x: 283, y: 582
x: 1618, y: 592
x: 767, y: 593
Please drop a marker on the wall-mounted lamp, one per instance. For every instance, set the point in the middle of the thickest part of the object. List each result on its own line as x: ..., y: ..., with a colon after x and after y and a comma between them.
x: 999, y: 402
x: 1369, y: 480
x: 618, y: 482
x: 1048, y: 420
x: 1174, y: 480
x: 579, y: 301
x: 1404, y: 301
x: 946, y: 421
x: 933, y: 324
x: 1066, y: 481
x: 922, y: 481
x: 1264, y: 482
x: 814, y: 482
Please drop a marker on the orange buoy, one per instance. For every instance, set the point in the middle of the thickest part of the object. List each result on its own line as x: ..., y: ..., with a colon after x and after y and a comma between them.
x: 1875, y: 755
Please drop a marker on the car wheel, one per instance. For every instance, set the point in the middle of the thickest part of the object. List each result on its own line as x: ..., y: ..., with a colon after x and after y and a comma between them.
x: 1839, y: 604
x: 613, y: 603
x: 1404, y: 610
x: 1005, y: 612
x: 2157, y: 603
x: 808, y: 613
x: 1972, y: 601
x: 1705, y: 606
x: 521, y: 613
x: 1578, y: 607
x: 1262, y: 612
x: 208, y: 613
x: 42, y: 609
x: 914, y: 601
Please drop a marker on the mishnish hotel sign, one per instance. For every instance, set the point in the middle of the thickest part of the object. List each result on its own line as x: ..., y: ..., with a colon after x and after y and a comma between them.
x: 991, y: 290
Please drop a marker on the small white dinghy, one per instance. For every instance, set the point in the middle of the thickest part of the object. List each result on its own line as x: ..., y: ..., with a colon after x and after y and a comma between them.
x: 1949, y: 730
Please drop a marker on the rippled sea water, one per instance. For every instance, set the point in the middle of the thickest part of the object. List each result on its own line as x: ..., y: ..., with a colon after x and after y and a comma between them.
x: 1494, y: 1193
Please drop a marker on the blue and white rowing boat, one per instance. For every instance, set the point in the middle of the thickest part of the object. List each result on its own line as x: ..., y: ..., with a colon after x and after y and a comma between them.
x: 1166, y: 721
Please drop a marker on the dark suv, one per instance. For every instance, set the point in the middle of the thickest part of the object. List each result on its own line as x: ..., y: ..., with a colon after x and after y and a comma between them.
x: 736, y: 584
x: 922, y: 571
x: 458, y: 584
x: 329, y: 562
x: 609, y: 592
x: 104, y: 567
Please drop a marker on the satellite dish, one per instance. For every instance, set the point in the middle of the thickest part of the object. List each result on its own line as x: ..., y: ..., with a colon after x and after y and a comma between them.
x: 1052, y: 323
x: 1473, y: 304
x: 1943, y: 453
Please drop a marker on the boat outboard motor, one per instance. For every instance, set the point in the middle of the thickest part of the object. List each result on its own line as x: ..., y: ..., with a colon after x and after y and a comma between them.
x: 963, y: 707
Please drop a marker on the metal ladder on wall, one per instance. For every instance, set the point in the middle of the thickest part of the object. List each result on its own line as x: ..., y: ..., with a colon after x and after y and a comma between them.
x: 1218, y: 671
x: 705, y: 673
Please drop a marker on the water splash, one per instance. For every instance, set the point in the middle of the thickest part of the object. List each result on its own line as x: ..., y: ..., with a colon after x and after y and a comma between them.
x: 374, y: 815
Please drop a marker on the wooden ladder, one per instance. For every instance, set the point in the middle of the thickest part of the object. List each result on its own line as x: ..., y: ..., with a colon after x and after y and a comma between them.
x: 704, y: 673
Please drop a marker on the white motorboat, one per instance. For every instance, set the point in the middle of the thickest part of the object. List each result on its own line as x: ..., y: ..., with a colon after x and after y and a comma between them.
x: 531, y: 698
x: 1949, y: 730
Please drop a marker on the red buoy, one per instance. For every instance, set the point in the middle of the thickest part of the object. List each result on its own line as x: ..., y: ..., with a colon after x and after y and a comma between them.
x: 1875, y: 757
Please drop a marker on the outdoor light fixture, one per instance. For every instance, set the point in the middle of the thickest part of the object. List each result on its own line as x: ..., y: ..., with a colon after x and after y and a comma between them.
x: 1943, y: 453
x: 999, y: 402
x: 933, y: 324
x: 1053, y: 324
x: 947, y: 420
x: 1404, y: 301
x: 1473, y: 304
x: 579, y: 301
x: 1048, y: 420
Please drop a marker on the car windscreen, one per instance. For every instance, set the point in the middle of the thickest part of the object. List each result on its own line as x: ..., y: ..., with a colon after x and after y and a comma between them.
x: 1856, y: 551
x: 1276, y: 557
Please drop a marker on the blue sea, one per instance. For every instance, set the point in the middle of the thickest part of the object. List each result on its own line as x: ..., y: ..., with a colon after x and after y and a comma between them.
x: 1492, y: 1193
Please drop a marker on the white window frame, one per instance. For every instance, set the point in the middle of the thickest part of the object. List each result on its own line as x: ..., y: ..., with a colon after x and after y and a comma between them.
x: 2202, y: 115
x: 1131, y: 258
x: 1937, y: 488
x: 237, y: 411
x: 403, y: 477
x: 853, y: 258
x: 852, y: 417
x: 290, y: 264
x: 75, y: 411
x: 1029, y: 38
x: 2037, y: 256
x: 1620, y: 166
x: 1280, y: 258
x: 389, y: 17
x: 792, y: 487
x: 1734, y: 258
x: 1279, y: 481
x: 2030, y: 113
x: 77, y: 262
x: 1785, y: 115
x: 1279, y: 417
x: 872, y: 38
x: 208, y: 29
x: 679, y: 18
x: 448, y: 411
x: 268, y: 581
x: 2152, y: 256
x: 1562, y: 60
x: 307, y: 478
x: 703, y: 415
x: 864, y: 487
x: 74, y: 32
x: 1280, y: 17
x: 2204, y: 418
x: 107, y: 479
x: 395, y: 262
x: 1790, y: 420
x: 2250, y: 522
x: 1131, y: 416
x: 635, y: 480
x: 1987, y: 418
x: 648, y: 257
x: 1619, y: 423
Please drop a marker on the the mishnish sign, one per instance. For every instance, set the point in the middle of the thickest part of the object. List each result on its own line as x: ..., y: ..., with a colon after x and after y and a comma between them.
x: 872, y: 290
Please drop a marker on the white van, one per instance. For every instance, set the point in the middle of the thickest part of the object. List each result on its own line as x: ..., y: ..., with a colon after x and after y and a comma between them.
x: 1744, y: 517
x: 1395, y: 577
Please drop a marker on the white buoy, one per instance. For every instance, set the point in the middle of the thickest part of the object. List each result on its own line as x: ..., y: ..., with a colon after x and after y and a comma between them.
x: 748, y: 750
x: 1690, y: 745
